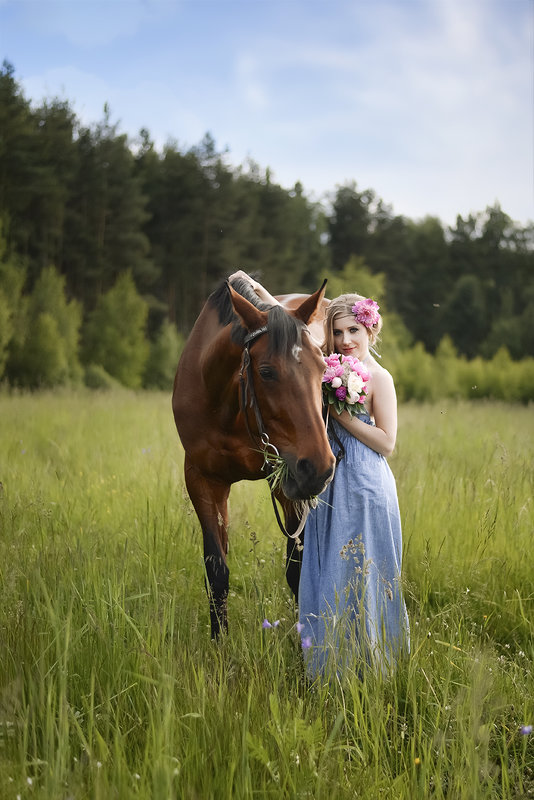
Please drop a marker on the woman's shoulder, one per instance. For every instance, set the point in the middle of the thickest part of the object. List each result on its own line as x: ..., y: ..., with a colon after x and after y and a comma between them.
x: 379, y: 373
x: 381, y: 384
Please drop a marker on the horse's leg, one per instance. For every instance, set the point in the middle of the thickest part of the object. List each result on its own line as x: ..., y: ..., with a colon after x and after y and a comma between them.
x: 210, y: 500
x: 294, y: 546
x: 294, y: 563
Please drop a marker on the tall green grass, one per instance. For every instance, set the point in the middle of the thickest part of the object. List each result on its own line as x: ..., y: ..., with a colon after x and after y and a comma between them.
x: 110, y: 686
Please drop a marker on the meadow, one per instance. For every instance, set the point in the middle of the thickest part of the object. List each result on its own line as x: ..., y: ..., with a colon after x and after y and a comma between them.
x: 110, y: 686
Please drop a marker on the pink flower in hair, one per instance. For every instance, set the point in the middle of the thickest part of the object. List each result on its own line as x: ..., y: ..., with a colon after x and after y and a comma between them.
x: 366, y: 312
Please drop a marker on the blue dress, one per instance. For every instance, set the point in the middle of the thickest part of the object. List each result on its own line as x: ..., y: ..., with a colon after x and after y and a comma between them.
x: 350, y: 598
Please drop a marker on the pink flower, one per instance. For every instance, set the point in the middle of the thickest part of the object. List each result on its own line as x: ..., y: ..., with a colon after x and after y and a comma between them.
x: 366, y: 312
x: 329, y: 375
x: 332, y: 360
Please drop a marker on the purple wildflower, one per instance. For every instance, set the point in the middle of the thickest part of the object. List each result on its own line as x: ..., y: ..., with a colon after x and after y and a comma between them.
x: 306, y: 642
x: 300, y: 627
x: 526, y: 730
x: 266, y: 624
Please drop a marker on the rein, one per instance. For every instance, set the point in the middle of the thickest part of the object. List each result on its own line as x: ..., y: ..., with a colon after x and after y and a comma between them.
x: 247, y: 397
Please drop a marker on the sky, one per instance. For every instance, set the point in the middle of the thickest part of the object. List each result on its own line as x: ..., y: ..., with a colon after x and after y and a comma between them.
x: 429, y: 103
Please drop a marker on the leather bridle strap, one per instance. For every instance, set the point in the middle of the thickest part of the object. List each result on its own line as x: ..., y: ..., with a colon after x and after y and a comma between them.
x: 246, y: 385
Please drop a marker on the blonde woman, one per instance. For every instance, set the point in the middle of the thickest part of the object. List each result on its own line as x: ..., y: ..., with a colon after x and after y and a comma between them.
x: 351, y: 607
x: 350, y: 599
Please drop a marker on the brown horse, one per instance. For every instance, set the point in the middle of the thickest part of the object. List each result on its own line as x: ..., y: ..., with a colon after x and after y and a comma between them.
x: 249, y: 381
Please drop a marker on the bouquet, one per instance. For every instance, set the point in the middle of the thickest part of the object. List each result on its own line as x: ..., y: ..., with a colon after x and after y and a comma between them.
x: 345, y: 383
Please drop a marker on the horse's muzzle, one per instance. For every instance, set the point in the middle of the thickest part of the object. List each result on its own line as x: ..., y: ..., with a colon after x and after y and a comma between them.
x: 304, y: 482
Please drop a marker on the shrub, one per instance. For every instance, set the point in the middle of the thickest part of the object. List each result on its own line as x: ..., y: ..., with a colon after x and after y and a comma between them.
x: 96, y: 377
x: 44, y: 345
x: 114, y: 336
x: 163, y: 358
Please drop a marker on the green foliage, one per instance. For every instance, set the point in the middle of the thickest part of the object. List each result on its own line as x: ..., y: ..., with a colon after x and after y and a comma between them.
x: 111, y: 687
x: 6, y: 330
x: 356, y: 277
x: 96, y: 205
x: 96, y: 377
x: 44, y: 346
x: 163, y: 358
x: 420, y: 376
x: 12, y: 278
x: 43, y: 361
x: 114, y: 335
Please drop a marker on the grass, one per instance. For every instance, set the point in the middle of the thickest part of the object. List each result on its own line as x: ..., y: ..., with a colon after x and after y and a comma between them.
x: 111, y: 688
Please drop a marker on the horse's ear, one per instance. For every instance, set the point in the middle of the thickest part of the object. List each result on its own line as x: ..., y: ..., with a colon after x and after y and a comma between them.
x: 251, y: 317
x: 309, y: 306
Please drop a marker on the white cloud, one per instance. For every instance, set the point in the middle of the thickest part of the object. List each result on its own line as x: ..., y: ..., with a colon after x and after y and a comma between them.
x: 429, y: 102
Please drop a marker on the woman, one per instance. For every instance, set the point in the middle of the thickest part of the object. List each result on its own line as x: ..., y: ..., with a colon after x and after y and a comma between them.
x: 350, y: 599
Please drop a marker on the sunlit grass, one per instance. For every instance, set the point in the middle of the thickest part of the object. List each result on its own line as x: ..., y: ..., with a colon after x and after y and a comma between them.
x: 110, y: 686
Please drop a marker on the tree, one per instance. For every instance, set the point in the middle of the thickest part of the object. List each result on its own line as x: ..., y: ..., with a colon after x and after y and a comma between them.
x: 114, y: 335
x: 163, y: 358
x: 12, y: 278
x: 464, y: 316
x: 349, y: 224
x: 18, y: 161
x: 104, y: 225
x: 430, y: 282
x: 55, y: 125
x: 44, y: 349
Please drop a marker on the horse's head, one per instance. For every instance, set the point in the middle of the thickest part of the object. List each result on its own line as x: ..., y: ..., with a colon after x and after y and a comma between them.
x: 281, y: 376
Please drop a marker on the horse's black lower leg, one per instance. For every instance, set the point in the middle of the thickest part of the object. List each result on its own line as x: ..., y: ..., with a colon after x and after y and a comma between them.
x: 293, y: 564
x: 217, y: 577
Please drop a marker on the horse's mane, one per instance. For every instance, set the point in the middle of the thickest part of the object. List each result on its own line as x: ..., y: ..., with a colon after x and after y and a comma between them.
x: 284, y: 330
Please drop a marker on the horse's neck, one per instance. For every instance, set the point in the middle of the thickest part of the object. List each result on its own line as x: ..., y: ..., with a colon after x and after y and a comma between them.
x: 219, y: 366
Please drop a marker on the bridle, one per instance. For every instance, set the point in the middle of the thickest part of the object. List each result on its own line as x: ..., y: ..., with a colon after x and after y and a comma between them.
x: 247, y: 399
x: 247, y: 395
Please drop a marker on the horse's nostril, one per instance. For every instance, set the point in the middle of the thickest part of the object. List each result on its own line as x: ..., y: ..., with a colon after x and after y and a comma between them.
x: 305, y: 469
x: 308, y: 479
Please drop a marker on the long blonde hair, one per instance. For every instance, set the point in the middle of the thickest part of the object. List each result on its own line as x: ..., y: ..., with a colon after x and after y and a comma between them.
x: 342, y: 307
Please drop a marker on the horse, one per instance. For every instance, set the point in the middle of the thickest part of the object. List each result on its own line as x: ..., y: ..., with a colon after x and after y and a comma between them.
x: 248, y: 384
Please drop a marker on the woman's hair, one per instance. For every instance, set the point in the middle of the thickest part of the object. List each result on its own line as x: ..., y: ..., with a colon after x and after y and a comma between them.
x: 342, y: 307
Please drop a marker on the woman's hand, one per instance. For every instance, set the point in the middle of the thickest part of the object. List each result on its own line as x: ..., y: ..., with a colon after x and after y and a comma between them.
x: 260, y: 290
x: 245, y: 277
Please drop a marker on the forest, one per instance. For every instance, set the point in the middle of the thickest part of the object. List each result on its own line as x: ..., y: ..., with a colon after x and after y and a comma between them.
x: 109, y: 247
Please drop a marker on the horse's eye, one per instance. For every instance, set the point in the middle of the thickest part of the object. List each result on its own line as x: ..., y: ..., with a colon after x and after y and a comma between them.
x: 268, y: 373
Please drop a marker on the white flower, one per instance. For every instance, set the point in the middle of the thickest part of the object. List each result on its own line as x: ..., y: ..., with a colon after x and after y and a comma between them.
x: 355, y: 385
x: 336, y: 383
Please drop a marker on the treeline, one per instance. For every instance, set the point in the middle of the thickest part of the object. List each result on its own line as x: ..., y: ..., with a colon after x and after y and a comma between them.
x: 96, y: 219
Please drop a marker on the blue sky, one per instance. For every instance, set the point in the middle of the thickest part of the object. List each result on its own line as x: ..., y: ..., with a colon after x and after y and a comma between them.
x: 428, y: 102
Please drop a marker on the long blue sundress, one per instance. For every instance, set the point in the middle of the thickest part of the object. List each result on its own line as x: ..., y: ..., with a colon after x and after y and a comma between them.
x: 350, y: 599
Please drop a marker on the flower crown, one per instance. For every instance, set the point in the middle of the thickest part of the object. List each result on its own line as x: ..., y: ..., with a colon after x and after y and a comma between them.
x: 366, y: 312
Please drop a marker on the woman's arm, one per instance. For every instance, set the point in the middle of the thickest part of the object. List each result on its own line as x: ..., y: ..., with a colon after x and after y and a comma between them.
x: 382, y: 436
x: 260, y: 290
